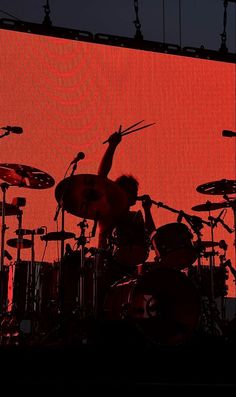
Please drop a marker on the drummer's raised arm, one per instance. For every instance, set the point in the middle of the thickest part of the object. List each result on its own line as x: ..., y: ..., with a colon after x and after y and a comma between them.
x: 106, y: 162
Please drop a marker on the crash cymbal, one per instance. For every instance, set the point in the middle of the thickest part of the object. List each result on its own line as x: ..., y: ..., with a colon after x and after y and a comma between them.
x: 19, y: 243
x: 224, y: 186
x: 55, y: 236
x: 10, y: 209
x: 25, y: 176
x: 209, y: 206
x: 91, y: 196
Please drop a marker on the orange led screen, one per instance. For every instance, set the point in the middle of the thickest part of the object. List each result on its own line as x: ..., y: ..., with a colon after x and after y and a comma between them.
x: 69, y: 96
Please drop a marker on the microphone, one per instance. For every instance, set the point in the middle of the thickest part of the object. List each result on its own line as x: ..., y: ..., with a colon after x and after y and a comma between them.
x: 228, y: 133
x: 80, y: 156
x: 15, y: 130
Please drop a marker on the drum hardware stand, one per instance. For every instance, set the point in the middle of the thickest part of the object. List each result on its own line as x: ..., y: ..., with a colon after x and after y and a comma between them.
x: 60, y: 206
x: 95, y: 271
x: 30, y: 289
x: 3, y: 305
x: 18, y: 255
x: 223, y: 245
x: 214, y: 221
x: 81, y: 242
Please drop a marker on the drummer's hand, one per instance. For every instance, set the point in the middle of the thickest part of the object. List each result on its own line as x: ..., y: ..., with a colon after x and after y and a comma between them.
x: 114, y: 139
x: 146, y: 202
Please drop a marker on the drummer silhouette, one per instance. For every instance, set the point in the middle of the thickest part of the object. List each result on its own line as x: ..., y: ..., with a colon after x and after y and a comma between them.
x: 128, y: 235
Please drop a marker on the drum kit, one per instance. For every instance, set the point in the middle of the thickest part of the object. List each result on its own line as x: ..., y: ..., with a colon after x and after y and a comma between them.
x: 164, y: 300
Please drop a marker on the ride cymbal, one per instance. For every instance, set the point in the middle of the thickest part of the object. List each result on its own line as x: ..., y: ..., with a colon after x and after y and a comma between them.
x: 91, y: 196
x: 25, y: 176
x: 209, y: 206
x: 55, y: 236
x: 224, y: 186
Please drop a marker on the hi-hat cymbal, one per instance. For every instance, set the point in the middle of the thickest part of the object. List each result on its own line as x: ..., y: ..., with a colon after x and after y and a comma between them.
x: 209, y: 206
x: 19, y: 243
x: 55, y: 236
x: 206, y: 244
x: 25, y: 176
x: 224, y: 186
x: 10, y: 209
x: 91, y: 196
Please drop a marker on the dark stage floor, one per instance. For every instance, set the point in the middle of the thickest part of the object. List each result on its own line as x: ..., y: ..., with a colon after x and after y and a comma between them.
x: 114, y: 358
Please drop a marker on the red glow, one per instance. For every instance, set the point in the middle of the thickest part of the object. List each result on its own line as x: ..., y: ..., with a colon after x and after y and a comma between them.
x: 70, y: 96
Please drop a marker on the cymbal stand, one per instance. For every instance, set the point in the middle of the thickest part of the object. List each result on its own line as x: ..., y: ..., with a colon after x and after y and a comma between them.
x: 214, y: 221
x: 212, y: 266
x: 30, y: 289
x: 224, y: 246
x: 81, y: 242
x: 60, y: 207
x: 18, y: 255
x: 19, y: 218
x: 4, y: 187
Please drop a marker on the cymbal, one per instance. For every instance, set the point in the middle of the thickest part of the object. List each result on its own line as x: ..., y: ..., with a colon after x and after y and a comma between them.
x: 224, y: 186
x: 25, y: 176
x: 209, y: 206
x: 91, y: 196
x: 55, y: 236
x: 19, y: 243
x: 10, y: 209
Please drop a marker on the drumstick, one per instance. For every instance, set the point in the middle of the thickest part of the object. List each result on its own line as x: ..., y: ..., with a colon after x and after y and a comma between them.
x: 132, y: 126
x: 140, y: 128
x: 127, y: 131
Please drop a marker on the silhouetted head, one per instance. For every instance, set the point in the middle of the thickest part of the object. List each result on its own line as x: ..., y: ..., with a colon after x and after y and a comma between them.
x: 130, y: 185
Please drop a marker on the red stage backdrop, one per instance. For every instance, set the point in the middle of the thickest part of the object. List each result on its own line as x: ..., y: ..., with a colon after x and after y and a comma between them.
x: 69, y: 96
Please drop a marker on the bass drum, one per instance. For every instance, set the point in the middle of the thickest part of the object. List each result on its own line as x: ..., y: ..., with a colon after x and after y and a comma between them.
x: 163, y: 303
